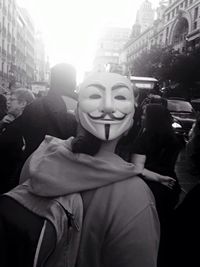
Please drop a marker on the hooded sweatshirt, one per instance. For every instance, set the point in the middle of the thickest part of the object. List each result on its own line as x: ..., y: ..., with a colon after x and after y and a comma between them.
x: 120, y: 226
x: 54, y: 170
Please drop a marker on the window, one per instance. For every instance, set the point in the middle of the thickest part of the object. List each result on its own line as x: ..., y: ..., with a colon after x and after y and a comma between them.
x: 167, y: 31
x: 2, y: 67
x: 195, y: 25
x: 196, y: 13
x: 186, y: 3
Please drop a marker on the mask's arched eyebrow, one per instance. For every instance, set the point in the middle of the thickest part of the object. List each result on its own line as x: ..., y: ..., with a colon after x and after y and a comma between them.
x: 120, y: 85
x: 99, y: 86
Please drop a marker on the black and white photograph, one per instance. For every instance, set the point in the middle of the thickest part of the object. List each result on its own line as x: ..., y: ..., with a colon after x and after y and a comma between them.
x: 99, y: 129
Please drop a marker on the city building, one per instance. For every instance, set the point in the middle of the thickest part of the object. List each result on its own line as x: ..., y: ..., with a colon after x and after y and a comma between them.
x: 8, y: 14
x: 145, y: 15
x: 109, y: 48
x: 26, y: 34
x: 22, y: 53
x: 177, y: 25
x: 40, y: 62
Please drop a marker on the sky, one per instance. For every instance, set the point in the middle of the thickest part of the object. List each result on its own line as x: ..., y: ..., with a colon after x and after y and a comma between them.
x: 71, y: 28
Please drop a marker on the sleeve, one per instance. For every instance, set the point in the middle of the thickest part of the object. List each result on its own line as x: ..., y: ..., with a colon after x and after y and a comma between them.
x: 11, y: 136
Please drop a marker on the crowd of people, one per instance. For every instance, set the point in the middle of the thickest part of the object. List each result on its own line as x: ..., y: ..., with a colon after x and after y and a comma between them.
x: 101, y: 159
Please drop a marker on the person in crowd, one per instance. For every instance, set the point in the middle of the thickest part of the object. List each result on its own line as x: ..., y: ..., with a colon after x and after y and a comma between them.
x: 11, y: 141
x: 184, y: 235
x: 3, y: 106
x: 193, y: 148
x: 155, y: 151
x: 185, y: 232
x: 120, y: 223
x: 48, y: 115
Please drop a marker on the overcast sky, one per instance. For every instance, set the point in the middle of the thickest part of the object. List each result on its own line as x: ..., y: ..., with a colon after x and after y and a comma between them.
x: 71, y: 28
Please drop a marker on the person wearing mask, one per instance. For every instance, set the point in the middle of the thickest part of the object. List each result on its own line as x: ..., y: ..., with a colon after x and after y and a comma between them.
x: 120, y: 225
x: 11, y: 141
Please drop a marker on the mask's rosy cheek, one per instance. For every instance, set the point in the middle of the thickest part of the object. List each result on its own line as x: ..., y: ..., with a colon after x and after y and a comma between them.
x: 89, y: 105
x: 125, y: 107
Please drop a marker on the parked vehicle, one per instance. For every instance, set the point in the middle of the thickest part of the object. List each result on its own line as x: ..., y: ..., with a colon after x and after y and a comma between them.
x: 183, y: 116
x: 196, y: 104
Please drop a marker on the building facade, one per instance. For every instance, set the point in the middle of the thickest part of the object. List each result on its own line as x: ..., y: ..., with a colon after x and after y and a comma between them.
x: 109, y: 48
x: 8, y: 14
x: 177, y: 25
x: 40, y: 62
x: 26, y: 41
x: 145, y: 15
x: 19, y: 47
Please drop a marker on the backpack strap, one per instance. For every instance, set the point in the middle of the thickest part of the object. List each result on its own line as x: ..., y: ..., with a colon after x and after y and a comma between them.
x: 46, y: 244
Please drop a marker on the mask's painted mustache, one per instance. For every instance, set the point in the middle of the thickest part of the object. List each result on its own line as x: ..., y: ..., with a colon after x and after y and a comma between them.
x: 112, y: 116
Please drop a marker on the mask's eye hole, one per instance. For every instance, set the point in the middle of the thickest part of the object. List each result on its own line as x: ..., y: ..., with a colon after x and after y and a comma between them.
x: 120, y: 97
x: 95, y: 96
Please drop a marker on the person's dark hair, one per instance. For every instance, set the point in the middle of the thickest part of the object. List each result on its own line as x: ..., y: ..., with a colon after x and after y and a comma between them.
x: 85, y: 142
x: 63, y: 80
x: 3, y: 106
x: 124, y: 146
x: 158, y: 119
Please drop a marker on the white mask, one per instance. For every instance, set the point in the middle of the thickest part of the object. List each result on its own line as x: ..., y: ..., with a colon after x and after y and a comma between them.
x: 106, y: 105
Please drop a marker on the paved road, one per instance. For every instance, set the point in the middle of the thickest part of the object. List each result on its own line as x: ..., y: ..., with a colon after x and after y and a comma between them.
x: 186, y: 179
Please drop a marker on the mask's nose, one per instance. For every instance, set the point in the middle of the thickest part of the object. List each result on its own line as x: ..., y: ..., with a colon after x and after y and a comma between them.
x: 108, y: 103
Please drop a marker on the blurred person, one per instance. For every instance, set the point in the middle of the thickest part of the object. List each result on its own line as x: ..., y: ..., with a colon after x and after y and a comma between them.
x: 120, y: 224
x: 193, y: 148
x: 157, y: 148
x: 49, y: 115
x: 3, y: 106
x: 11, y: 140
x: 155, y: 151
x: 185, y: 234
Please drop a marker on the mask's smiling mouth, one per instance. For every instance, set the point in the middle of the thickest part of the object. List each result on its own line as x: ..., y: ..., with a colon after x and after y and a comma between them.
x: 110, y: 116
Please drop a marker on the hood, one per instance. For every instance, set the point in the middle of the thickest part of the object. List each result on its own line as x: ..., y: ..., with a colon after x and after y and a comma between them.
x: 53, y: 170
